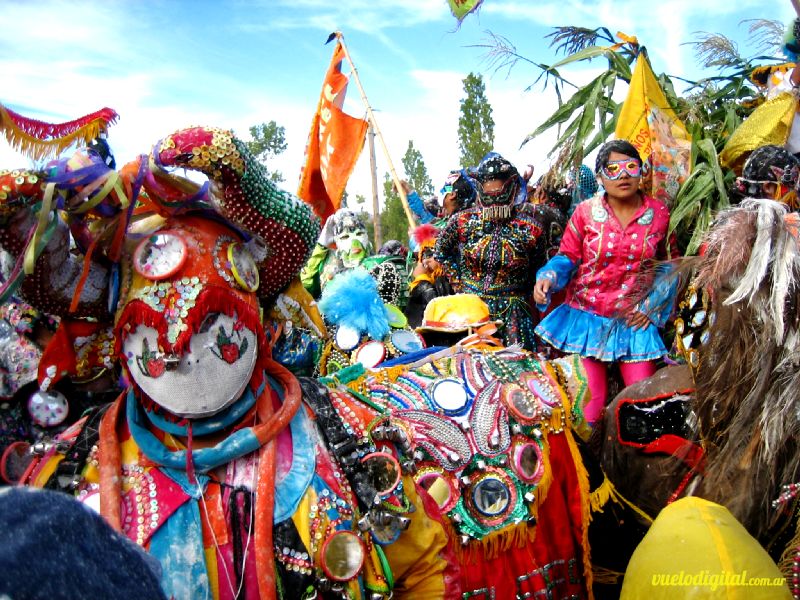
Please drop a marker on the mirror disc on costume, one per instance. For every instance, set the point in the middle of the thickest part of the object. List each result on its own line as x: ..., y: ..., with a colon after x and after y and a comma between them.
x: 523, y: 406
x: 14, y: 462
x: 542, y: 392
x: 160, y: 255
x: 491, y: 496
x: 342, y: 556
x: 527, y: 461
x: 449, y: 395
x: 383, y: 470
x: 371, y: 354
x: 346, y: 337
x: 441, y: 487
x: 48, y: 409
x: 243, y: 267
x: 406, y: 341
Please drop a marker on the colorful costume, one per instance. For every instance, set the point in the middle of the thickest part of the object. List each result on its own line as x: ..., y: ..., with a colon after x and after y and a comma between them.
x: 353, y: 250
x: 214, y: 459
x: 491, y: 249
x: 601, y: 264
x: 489, y: 433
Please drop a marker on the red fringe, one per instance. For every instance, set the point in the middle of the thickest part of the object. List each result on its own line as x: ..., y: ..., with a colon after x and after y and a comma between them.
x: 211, y: 299
x: 44, y: 131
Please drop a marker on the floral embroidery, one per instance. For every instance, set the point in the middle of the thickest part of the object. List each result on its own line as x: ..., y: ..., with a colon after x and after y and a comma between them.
x: 646, y: 218
x: 150, y: 363
x: 227, y: 348
x: 599, y: 213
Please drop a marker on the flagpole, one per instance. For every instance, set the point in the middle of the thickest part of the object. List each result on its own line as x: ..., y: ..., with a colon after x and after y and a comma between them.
x: 373, y: 123
x: 376, y: 210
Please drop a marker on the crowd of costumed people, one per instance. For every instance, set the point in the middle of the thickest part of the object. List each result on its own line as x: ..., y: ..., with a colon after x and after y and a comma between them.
x: 210, y: 392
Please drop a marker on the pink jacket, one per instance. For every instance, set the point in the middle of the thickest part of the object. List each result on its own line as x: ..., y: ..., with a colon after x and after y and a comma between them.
x: 610, y: 258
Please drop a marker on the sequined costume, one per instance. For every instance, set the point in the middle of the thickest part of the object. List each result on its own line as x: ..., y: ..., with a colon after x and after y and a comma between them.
x: 491, y: 436
x: 237, y: 477
x: 495, y: 259
x: 600, y: 263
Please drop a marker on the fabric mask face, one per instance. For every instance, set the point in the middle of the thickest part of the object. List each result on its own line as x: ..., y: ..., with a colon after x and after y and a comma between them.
x: 351, y: 244
x: 208, y: 378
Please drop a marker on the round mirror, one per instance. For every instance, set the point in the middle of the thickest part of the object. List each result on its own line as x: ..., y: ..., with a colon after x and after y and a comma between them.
x: 396, y: 317
x: 522, y: 406
x: 346, y: 337
x: 491, y: 496
x: 406, y: 341
x: 371, y: 354
x: 542, y: 392
x: 383, y: 471
x: 449, y: 395
x: 439, y: 487
x: 160, y: 255
x: 243, y: 267
x: 342, y: 556
x: 15, y: 461
x: 528, y: 464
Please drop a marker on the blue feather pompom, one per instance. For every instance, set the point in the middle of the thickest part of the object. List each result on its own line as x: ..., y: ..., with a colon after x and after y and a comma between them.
x: 351, y: 298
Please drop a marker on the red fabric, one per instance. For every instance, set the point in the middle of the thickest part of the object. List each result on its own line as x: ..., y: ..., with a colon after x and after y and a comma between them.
x: 557, y: 549
x: 60, y: 350
x: 689, y: 452
x: 334, y: 143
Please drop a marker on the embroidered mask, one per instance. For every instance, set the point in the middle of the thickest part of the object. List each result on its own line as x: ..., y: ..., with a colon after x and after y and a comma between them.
x: 206, y: 378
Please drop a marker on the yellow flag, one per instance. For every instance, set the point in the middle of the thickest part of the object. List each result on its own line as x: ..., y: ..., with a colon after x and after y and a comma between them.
x: 649, y: 123
x: 770, y: 123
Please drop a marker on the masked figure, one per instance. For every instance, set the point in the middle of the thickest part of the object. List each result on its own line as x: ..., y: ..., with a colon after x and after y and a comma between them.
x: 347, y: 233
x: 239, y: 479
x: 492, y: 248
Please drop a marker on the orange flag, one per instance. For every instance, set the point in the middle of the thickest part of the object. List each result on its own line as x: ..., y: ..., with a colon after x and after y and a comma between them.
x: 334, y: 143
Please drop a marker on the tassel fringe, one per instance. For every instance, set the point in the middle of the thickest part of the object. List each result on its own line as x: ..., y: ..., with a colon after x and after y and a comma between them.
x: 39, y: 140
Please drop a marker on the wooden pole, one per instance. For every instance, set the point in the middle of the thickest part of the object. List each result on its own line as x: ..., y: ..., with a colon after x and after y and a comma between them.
x: 373, y: 123
x: 796, y: 4
x: 376, y: 210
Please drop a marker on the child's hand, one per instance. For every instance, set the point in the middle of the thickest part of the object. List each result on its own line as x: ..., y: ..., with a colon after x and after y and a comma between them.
x: 540, y: 290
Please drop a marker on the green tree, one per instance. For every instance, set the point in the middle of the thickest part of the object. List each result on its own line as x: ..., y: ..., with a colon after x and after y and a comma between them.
x: 475, y: 125
x: 268, y: 141
x: 394, y: 225
x: 416, y: 172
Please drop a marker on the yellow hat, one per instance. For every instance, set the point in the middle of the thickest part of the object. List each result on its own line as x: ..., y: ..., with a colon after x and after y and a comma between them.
x: 455, y: 313
x: 697, y: 549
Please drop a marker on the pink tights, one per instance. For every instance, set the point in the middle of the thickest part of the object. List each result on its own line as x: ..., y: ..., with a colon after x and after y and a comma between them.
x: 598, y: 383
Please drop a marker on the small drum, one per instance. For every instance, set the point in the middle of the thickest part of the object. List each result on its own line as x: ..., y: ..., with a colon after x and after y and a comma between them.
x: 370, y: 354
x: 407, y: 341
x: 347, y: 338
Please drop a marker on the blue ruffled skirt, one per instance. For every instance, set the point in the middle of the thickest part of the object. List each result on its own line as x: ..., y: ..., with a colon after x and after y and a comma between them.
x: 576, y: 331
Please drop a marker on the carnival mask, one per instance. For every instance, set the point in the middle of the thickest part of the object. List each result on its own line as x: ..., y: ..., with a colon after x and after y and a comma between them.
x: 615, y: 168
x: 203, y: 380
x: 351, y: 240
x: 496, y: 192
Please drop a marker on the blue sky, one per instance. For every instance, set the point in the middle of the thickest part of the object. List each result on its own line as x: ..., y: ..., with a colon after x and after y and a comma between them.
x: 164, y: 65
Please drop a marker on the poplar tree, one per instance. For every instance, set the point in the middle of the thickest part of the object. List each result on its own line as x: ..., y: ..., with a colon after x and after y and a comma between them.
x: 475, y: 125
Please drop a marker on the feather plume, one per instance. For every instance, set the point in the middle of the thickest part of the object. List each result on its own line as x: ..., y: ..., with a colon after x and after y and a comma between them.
x: 425, y: 234
x: 351, y: 298
x: 748, y: 381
